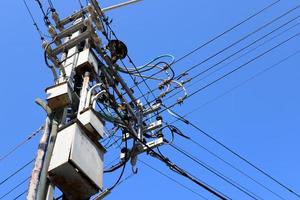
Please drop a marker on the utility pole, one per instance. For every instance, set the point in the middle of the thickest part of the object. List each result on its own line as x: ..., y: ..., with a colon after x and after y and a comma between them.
x: 84, y: 65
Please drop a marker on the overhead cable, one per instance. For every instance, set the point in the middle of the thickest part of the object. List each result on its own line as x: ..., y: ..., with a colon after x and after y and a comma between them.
x: 225, y: 32
x: 21, y: 144
x: 173, y: 180
x: 16, y: 172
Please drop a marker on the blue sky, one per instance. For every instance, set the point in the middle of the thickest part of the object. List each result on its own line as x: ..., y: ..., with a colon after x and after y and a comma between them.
x: 259, y: 119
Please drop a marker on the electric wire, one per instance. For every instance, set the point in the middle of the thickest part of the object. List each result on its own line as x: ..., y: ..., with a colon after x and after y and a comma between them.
x: 172, y: 179
x: 178, y: 169
x: 243, y: 38
x: 247, y: 46
x: 130, y: 60
x: 126, y: 179
x: 225, y: 32
x: 17, y: 197
x: 235, y: 43
x: 46, y: 19
x: 245, y: 81
x: 216, y: 172
x: 247, y: 161
x: 15, y: 187
x: 33, y: 20
x: 16, y: 172
x: 234, y: 70
x: 188, y: 122
x: 235, y: 168
x: 51, y: 5
x: 31, y: 136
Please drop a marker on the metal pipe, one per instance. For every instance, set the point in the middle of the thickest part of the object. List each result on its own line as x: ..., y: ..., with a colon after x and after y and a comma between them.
x: 120, y: 5
x: 38, y: 165
x: 84, y: 92
x: 43, y: 183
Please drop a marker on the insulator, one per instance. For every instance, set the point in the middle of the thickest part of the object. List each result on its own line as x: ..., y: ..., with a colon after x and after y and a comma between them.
x: 52, y: 31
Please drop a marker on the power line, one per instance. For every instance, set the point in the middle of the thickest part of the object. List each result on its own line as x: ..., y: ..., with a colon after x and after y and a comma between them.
x: 17, y: 197
x: 14, y: 188
x: 236, y: 154
x: 178, y: 169
x: 235, y: 168
x: 227, y: 92
x: 33, y: 20
x: 16, y: 172
x: 172, y: 179
x: 227, y: 31
x: 234, y: 70
x: 215, y: 38
x: 234, y: 43
x: 243, y: 38
x: 244, y: 82
x: 130, y: 60
x: 253, y: 49
x: 21, y: 144
x: 235, y: 53
x: 217, y: 173
x: 245, y: 160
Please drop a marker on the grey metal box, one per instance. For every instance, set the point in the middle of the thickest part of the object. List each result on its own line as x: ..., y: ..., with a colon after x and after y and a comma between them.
x: 76, y: 166
x: 91, y: 122
x: 87, y: 61
x: 59, y: 96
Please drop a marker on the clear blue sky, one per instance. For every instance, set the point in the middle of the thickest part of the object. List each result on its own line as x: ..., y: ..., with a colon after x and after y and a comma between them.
x: 259, y: 120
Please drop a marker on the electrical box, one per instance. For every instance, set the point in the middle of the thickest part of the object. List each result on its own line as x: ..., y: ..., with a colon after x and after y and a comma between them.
x: 89, y: 119
x: 87, y: 61
x: 76, y: 166
x: 59, y: 96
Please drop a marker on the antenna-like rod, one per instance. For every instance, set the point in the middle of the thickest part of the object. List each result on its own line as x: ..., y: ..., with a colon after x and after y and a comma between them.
x: 120, y: 5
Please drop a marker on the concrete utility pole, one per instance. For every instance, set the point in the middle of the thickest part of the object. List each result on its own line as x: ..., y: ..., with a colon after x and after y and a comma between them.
x: 85, y: 72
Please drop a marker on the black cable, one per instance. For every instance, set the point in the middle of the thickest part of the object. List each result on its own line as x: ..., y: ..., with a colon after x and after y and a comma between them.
x: 33, y: 20
x: 20, y: 144
x: 172, y: 179
x: 17, y: 197
x: 243, y: 38
x: 238, y: 155
x: 235, y: 168
x: 245, y: 81
x: 119, y: 179
x: 245, y: 160
x: 81, y: 6
x: 227, y: 31
x: 234, y: 70
x: 123, y: 169
x: 236, y: 42
x: 46, y: 18
x: 130, y: 60
x: 51, y: 5
x: 176, y: 168
x: 216, y: 172
x: 237, y: 52
x: 16, y: 172
x: 14, y: 188
x: 184, y: 173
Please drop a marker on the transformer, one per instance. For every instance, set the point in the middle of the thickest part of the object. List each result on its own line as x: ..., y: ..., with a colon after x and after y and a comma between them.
x: 76, y: 166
